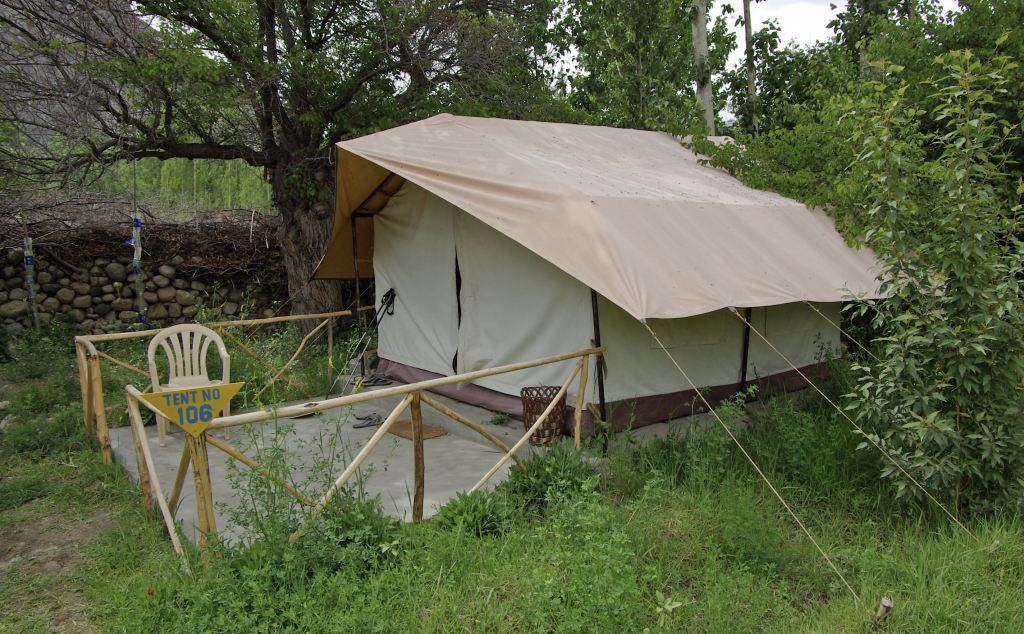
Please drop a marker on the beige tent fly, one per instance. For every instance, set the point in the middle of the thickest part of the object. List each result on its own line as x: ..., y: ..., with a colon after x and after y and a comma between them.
x: 509, y: 240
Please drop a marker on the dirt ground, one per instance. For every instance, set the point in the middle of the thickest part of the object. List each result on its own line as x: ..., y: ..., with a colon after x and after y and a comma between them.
x: 39, y: 555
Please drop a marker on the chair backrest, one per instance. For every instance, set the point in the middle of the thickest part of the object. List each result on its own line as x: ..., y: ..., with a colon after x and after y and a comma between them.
x: 186, y: 346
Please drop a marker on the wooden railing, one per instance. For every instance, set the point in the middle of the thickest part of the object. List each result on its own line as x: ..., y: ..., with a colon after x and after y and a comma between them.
x: 90, y: 374
x: 195, y: 450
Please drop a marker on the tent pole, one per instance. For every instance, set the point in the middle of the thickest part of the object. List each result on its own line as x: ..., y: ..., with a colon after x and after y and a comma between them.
x: 355, y: 269
x: 746, y: 351
x: 600, y: 366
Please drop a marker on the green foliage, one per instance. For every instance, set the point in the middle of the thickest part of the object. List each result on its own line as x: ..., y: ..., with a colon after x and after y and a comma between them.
x: 635, y: 62
x: 479, y: 513
x: 14, y: 493
x: 501, y: 419
x: 948, y: 388
x: 554, y: 475
x: 211, y: 184
x: 36, y: 437
x: 37, y: 355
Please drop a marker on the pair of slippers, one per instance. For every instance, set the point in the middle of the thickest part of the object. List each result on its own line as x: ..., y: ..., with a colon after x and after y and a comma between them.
x: 370, y: 420
x: 375, y: 379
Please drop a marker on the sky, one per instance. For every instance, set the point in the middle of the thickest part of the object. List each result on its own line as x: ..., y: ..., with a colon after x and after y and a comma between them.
x: 805, y: 21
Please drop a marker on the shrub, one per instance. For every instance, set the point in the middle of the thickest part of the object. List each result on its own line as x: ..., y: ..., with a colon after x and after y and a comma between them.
x: 558, y: 473
x: 479, y: 513
x: 947, y: 388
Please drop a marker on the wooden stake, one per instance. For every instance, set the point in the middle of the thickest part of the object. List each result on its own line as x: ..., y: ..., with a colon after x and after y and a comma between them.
x: 356, y: 462
x: 136, y: 421
x: 140, y: 460
x: 468, y: 423
x: 179, y: 477
x: 204, y: 493
x: 330, y: 351
x: 86, y: 385
x: 417, y: 457
x: 97, y: 403
x: 580, y: 394
x: 536, y: 425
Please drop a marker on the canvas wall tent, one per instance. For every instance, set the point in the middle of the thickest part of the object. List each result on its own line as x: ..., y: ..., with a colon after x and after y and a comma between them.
x: 505, y: 239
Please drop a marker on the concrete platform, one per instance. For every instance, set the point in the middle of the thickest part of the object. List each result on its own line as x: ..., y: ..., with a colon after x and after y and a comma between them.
x: 453, y: 463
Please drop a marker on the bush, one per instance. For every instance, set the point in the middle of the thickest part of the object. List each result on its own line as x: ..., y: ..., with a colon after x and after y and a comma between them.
x: 35, y: 356
x: 947, y: 388
x: 479, y: 513
x: 557, y: 474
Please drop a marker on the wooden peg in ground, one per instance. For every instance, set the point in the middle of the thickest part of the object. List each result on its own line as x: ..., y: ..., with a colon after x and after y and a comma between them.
x: 883, y: 612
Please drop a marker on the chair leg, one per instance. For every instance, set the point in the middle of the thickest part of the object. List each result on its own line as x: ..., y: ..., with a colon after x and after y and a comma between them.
x: 160, y: 430
x: 227, y: 430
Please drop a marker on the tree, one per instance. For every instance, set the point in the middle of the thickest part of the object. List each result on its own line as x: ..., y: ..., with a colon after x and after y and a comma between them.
x: 634, y: 63
x: 701, y: 64
x: 272, y: 82
x: 748, y: 49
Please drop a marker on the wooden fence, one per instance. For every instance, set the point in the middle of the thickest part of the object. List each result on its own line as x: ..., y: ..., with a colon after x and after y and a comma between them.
x: 195, y: 450
x: 90, y: 373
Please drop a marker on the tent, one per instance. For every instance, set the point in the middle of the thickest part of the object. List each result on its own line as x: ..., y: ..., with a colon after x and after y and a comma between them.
x: 508, y: 241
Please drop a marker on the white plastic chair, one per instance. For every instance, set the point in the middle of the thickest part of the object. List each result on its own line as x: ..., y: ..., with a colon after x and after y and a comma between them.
x: 186, y: 346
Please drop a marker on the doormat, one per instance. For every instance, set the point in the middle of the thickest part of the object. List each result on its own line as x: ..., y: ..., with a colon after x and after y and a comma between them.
x: 403, y: 429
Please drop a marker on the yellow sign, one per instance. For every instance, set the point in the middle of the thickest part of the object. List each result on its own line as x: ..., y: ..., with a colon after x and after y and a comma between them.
x: 193, y: 409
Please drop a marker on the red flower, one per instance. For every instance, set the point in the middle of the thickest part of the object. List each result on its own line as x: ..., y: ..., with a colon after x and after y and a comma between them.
x: 149, y: 590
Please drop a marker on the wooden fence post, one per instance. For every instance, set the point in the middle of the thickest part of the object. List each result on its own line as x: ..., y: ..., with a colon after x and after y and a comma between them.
x: 204, y: 494
x: 84, y: 383
x: 96, y: 380
x: 135, y: 417
x: 580, y: 395
x: 330, y: 351
x: 179, y: 478
x: 140, y: 460
x: 417, y: 448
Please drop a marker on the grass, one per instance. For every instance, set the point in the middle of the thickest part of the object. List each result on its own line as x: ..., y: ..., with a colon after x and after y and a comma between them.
x: 681, y: 535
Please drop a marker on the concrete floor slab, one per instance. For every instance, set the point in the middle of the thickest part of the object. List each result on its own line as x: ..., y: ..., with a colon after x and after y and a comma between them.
x: 452, y: 463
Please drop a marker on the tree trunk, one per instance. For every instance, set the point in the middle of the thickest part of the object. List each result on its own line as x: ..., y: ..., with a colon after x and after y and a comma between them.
x: 705, y: 99
x: 752, y: 100
x: 305, y: 231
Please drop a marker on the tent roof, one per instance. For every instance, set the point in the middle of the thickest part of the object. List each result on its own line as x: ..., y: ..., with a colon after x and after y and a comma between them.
x: 630, y: 213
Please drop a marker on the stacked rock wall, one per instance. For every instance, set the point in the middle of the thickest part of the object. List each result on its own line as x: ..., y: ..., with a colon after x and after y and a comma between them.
x: 99, y: 294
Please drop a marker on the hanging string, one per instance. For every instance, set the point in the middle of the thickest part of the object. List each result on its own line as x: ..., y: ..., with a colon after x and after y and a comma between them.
x: 861, y: 430
x: 137, y: 244
x: 758, y: 469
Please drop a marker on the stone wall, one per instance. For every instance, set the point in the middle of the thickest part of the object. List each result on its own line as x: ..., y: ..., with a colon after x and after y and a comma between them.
x: 98, y: 294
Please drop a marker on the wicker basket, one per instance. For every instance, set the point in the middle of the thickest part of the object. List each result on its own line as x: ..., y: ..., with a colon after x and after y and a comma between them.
x: 535, y: 401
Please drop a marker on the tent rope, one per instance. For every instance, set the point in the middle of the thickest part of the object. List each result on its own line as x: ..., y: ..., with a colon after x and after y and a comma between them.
x: 859, y: 428
x: 761, y: 473
x: 848, y: 335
